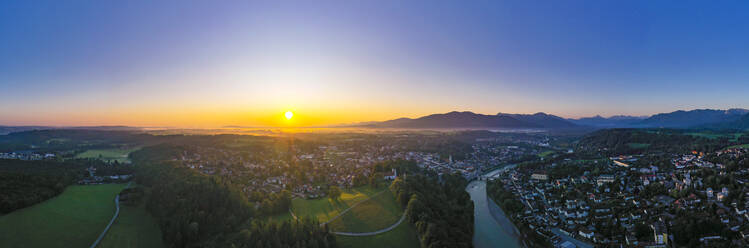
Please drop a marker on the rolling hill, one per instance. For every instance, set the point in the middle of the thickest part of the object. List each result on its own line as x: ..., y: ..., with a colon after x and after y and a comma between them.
x: 693, y: 118
x: 472, y: 120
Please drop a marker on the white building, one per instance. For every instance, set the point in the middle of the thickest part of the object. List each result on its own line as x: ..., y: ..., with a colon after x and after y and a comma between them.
x: 391, y: 175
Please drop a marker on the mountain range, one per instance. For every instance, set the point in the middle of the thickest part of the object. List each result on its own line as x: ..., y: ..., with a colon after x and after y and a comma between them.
x: 737, y: 119
x: 698, y: 118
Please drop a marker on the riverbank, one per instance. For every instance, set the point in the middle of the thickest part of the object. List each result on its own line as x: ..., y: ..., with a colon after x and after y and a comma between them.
x: 507, y: 225
x: 488, y: 232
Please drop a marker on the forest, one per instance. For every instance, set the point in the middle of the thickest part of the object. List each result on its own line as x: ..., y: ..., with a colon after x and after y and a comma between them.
x: 614, y: 142
x: 439, y: 208
x: 195, y: 210
x: 25, y: 183
x: 496, y: 191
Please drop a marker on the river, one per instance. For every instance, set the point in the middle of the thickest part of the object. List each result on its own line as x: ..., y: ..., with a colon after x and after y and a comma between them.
x: 487, y: 231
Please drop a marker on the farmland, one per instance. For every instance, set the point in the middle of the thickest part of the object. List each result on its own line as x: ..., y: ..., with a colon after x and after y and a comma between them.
x: 75, y: 218
x: 110, y: 155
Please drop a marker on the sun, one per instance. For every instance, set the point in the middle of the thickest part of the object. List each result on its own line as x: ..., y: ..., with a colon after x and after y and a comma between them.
x: 288, y: 115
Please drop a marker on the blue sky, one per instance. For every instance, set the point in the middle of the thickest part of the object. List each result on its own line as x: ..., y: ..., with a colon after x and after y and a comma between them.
x: 201, y: 63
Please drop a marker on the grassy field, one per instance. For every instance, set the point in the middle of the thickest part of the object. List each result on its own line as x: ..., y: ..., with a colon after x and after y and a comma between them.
x: 75, y: 218
x: 133, y: 228
x: 545, y: 154
x: 740, y: 146
x: 638, y: 145
x: 402, y: 236
x: 280, y: 217
x: 712, y: 135
x: 379, y: 212
x: 323, y: 208
x: 111, y: 155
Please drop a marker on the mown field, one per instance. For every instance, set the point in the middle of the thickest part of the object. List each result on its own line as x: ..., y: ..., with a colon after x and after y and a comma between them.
x: 324, y: 209
x: 545, y: 154
x: 379, y: 212
x: 135, y: 227
x: 402, y: 236
x: 740, y: 146
x: 111, y: 155
x: 715, y: 135
x: 75, y: 218
x: 638, y: 145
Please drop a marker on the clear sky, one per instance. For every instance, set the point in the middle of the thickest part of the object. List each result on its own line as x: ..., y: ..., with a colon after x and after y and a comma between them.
x: 203, y: 64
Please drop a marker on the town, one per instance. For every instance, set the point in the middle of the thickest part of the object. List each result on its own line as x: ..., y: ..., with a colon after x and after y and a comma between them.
x: 635, y: 199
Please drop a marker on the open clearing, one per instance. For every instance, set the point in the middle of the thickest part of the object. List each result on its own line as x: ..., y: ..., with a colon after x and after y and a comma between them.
x: 712, y: 135
x: 740, y: 146
x: 545, y: 153
x: 110, y: 155
x: 402, y: 236
x: 280, y: 217
x: 133, y: 228
x: 324, y: 209
x: 379, y: 212
x: 638, y: 145
x: 75, y: 218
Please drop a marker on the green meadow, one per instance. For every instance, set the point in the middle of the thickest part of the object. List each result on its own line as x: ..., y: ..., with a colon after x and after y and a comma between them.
x: 135, y: 227
x: 379, y: 212
x: 715, y: 135
x: 402, y: 236
x: 111, y: 155
x: 740, y: 146
x: 638, y: 145
x: 75, y: 218
x: 545, y: 153
x: 323, y: 209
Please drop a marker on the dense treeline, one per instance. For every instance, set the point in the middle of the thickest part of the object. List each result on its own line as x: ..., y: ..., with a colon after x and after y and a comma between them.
x: 402, y: 166
x: 72, y: 139
x: 22, y: 190
x: 504, y: 198
x: 25, y: 183
x: 496, y: 191
x: 195, y: 210
x: 630, y: 141
x: 273, y: 203
x: 439, y: 208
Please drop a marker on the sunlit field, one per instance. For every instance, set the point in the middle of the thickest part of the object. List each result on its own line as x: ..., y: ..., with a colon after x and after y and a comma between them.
x: 75, y: 218
x: 402, y: 236
x: 379, y: 212
x: 324, y: 208
x: 134, y: 227
x: 110, y: 155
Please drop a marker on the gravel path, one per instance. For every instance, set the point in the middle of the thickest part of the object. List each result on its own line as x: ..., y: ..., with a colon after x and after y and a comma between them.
x: 352, y: 206
x: 372, y: 233
x: 116, y: 213
x: 358, y: 234
x: 344, y: 211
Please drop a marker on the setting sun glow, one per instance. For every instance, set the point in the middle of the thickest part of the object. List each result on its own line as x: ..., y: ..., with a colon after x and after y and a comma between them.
x: 289, y: 114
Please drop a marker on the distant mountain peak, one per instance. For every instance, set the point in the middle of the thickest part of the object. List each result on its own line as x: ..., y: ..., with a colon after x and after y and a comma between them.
x: 696, y: 117
x: 468, y: 119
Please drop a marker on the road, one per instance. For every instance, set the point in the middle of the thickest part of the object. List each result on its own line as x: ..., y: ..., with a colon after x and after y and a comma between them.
x: 116, y: 213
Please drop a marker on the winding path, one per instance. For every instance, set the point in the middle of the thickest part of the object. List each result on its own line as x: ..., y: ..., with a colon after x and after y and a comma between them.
x: 352, y: 206
x: 372, y: 233
x: 116, y: 213
x: 344, y: 211
x: 403, y: 217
